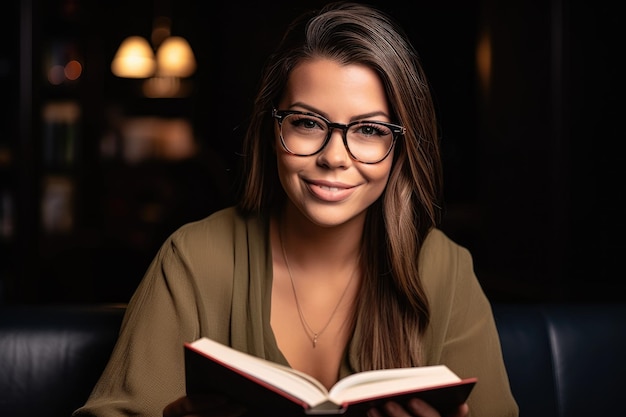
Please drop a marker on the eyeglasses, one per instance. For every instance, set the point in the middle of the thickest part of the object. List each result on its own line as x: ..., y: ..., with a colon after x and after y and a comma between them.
x: 305, y: 134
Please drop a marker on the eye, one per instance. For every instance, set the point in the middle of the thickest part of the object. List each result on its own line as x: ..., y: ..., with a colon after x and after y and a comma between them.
x: 304, y: 123
x: 371, y: 129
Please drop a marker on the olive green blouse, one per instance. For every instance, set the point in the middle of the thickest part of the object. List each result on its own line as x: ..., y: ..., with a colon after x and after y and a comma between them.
x: 213, y: 278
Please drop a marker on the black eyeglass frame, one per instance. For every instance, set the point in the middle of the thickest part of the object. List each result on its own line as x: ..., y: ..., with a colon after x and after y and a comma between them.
x: 396, y: 130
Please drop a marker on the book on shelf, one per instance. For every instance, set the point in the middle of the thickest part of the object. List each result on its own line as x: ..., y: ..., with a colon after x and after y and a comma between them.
x: 263, y: 385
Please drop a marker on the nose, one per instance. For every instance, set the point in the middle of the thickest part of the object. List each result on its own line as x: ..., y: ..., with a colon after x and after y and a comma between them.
x: 334, y: 153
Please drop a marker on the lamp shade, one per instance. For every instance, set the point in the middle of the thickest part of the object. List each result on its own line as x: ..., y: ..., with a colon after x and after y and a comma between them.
x: 134, y: 59
x: 175, y: 58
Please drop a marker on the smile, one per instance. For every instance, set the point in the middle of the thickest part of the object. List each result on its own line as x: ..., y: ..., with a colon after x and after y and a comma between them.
x: 330, y: 192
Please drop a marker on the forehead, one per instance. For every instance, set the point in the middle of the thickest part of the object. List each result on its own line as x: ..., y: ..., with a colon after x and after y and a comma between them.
x: 334, y: 89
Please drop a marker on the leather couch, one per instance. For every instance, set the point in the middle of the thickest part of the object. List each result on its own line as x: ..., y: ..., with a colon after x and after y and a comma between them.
x: 565, y: 360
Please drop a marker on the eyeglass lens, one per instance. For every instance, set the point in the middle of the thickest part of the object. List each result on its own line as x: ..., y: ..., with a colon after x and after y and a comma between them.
x: 306, y: 135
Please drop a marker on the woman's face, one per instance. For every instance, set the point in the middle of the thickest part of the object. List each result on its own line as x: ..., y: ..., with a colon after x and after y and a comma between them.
x: 330, y: 188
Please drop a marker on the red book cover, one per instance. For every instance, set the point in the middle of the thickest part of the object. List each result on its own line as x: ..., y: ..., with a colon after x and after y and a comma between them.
x: 266, y: 387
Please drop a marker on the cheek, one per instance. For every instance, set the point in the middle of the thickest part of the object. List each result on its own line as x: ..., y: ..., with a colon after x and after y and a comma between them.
x: 381, y: 182
x: 377, y: 178
x: 378, y: 174
x: 288, y: 167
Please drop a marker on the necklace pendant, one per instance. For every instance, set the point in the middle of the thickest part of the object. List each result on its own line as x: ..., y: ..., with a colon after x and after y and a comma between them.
x: 315, y: 340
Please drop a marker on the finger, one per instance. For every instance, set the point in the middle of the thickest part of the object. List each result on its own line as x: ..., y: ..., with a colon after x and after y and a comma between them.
x: 421, y: 408
x: 462, y: 411
x: 393, y: 409
x: 373, y: 412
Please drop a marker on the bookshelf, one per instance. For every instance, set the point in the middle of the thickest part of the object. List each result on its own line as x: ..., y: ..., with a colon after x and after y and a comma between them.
x: 93, y: 175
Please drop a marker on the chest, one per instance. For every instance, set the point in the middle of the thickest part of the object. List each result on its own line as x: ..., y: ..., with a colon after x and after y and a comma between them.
x: 313, y: 343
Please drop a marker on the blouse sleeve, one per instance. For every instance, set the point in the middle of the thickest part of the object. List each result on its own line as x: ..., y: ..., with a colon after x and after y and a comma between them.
x: 462, y: 332
x: 146, y: 369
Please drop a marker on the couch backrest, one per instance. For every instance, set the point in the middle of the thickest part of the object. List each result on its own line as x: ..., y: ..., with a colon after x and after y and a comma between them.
x: 51, y: 356
x: 562, y: 360
x: 565, y: 360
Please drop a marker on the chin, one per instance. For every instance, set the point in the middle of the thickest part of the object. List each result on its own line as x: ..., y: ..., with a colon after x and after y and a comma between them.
x: 333, y: 217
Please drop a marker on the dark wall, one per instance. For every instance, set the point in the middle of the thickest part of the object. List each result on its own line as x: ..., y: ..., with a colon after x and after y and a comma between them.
x: 551, y: 174
x: 532, y: 169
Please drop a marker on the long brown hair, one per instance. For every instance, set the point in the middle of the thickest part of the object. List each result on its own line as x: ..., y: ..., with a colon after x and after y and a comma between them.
x: 392, y: 310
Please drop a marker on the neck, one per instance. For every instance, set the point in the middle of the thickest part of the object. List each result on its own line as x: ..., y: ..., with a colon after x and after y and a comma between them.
x: 309, y: 242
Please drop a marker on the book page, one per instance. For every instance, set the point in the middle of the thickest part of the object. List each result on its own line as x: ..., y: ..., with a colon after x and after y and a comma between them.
x: 387, y: 381
x: 363, y: 385
x: 284, y: 378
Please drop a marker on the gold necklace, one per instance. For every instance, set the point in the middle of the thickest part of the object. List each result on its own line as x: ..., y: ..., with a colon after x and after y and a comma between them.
x: 311, y: 334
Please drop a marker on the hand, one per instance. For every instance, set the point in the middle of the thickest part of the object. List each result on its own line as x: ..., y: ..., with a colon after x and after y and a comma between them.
x: 415, y: 408
x: 210, y: 405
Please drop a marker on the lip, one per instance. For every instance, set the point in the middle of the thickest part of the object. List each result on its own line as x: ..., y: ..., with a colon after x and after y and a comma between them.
x: 329, y: 191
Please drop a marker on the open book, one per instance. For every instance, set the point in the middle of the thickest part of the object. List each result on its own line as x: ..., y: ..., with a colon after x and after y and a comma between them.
x: 279, y: 390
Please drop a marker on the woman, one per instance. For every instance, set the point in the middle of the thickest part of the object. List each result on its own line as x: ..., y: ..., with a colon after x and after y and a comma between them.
x: 332, y: 262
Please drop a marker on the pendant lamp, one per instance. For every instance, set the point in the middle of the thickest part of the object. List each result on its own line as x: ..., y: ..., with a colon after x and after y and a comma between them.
x: 135, y: 58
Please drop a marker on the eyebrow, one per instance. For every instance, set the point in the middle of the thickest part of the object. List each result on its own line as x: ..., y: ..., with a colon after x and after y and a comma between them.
x: 324, y: 114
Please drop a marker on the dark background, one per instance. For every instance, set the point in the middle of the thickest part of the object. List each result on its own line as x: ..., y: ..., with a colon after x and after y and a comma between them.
x: 533, y: 167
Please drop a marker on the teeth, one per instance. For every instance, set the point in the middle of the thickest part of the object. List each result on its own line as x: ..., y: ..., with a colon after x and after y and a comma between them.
x: 329, y: 188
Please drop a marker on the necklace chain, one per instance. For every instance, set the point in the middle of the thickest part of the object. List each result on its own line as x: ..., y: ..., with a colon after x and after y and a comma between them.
x: 311, y: 334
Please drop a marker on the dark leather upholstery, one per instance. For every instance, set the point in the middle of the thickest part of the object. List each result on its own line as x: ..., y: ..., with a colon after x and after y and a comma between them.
x: 51, y: 356
x: 562, y: 360
x: 565, y: 360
